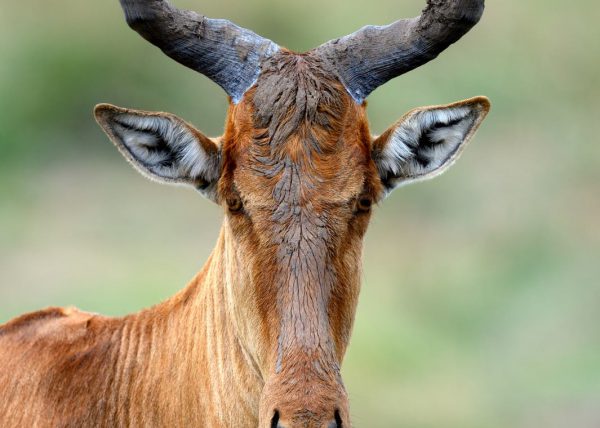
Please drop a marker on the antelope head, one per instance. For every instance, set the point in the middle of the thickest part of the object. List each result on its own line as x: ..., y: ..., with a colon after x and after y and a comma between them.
x: 297, y: 172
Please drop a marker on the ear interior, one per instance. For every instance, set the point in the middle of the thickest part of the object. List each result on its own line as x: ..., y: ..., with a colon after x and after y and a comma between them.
x: 426, y: 141
x: 161, y: 146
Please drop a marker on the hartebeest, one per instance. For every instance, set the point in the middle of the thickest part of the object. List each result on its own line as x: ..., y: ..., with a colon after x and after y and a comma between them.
x: 258, y: 336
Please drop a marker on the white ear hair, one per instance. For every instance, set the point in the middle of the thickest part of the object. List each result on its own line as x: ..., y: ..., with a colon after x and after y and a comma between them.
x: 426, y: 141
x: 162, y: 147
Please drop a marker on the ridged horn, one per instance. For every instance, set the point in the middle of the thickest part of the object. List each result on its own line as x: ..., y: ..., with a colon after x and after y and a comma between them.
x: 225, y: 53
x: 374, y: 55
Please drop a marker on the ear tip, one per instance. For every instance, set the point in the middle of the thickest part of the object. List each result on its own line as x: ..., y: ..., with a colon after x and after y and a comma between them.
x: 483, y: 102
x: 104, y: 110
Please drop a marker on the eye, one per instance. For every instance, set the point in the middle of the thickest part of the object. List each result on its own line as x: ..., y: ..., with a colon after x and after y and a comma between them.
x: 234, y: 204
x: 363, y: 204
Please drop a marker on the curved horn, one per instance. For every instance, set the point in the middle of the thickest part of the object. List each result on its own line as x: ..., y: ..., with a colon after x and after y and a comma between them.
x: 225, y: 53
x: 373, y: 55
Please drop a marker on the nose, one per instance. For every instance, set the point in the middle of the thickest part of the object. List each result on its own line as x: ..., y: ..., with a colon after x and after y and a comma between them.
x: 336, y: 422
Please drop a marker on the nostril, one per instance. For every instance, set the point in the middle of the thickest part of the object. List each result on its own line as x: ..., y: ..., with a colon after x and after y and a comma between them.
x: 336, y: 423
x: 338, y: 420
x: 275, y: 420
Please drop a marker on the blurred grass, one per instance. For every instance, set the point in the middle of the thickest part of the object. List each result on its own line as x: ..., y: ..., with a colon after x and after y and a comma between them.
x: 481, y: 289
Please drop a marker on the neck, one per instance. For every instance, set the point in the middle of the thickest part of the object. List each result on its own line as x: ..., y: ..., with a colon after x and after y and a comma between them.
x: 213, y: 369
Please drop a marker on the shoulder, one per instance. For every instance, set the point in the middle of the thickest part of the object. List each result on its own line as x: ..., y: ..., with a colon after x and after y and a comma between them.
x: 50, y: 322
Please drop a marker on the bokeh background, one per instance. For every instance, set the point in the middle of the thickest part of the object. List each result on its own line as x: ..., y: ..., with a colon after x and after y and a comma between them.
x: 481, y: 298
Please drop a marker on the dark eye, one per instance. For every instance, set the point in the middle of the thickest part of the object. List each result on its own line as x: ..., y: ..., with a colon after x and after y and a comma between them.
x: 364, y: 204
x: 234, y: 203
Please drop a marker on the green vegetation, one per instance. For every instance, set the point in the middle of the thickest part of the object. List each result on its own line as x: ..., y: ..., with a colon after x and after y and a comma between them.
x: 481, y: 296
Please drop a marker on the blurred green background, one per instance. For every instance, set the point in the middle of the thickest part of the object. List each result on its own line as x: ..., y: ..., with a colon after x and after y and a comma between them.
x: 481, y: 298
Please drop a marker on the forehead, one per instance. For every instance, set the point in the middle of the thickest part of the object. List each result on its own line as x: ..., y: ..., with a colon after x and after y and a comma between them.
x: 298, y: 130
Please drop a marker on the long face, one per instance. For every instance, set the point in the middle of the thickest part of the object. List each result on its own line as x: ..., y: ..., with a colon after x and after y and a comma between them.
x: 296, y: 173
x: 298, y: 183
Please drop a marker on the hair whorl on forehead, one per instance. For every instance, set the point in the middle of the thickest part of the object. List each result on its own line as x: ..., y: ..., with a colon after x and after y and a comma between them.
x: 298, y: 95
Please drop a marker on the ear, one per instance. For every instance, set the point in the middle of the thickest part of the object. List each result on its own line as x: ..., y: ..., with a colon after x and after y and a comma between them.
x: 426, y: 141
x: 163, y: 147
